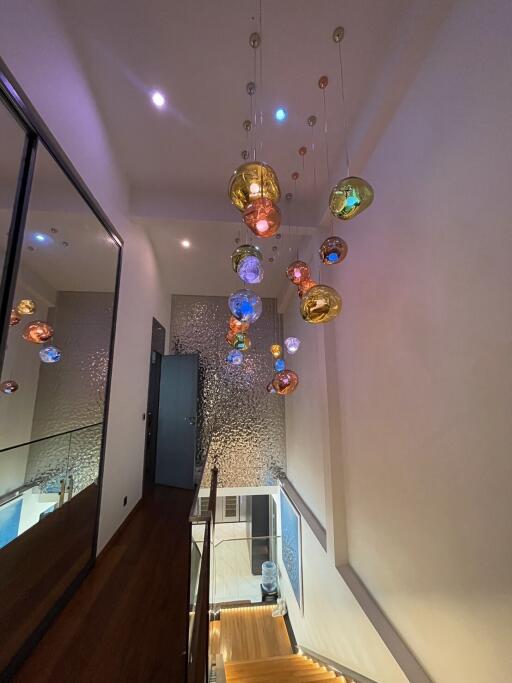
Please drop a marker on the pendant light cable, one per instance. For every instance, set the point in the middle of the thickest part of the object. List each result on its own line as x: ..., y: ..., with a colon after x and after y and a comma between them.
x: 338, y: 37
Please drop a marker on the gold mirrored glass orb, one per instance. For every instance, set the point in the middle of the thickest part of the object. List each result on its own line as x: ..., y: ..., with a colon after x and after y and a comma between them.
x: 285, y: 382
x: 253, y: 180
x: 9, y: 386
x: 237, y: 325
x: 38, y: 332
x: 349, y: 197
x: 333, y: 250
x: 298, y: 272
x: 320, y: 304
x: 276, y: 350
x: 241, y: 252
x: 26, y: 307
x: 306, y: 286
x: 14, y: 318
x: 263, y: 217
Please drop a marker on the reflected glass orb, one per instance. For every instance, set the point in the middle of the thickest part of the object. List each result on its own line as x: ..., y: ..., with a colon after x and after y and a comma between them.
x: 251, y: 181
x: 320, y: 304
x: 50, y: 354
x: 276, y: 350
x: 270, y: 388
x: 238, y: 340
x: 26, y: 307
x: 9, y: 386
x: 292, y: 344
x: 285, y: 382
x: 298, y: 271
x: 15, y: 317
x: 250, y: 270
x: 245, y: 305
x: 237, y: 325
x: 241, y: 252
x: 38, y: 332
x: 263, y: 217
x: 349, y: 197
x: 333, y: 250
x: 279, y: 365
x: 306, y: 286
x: 235, y: 357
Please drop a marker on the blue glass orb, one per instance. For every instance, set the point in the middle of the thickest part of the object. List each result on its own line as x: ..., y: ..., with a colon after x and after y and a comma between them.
x: 235, y: 357
x: 245, y: 305
x: 279, y: 365
x: 292, y: 344
x: 50, y: 354
x: 250, y: 270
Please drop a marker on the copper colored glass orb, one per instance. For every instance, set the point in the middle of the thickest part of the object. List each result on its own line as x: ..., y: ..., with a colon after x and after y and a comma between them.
x: 285, y: 382
x: 15, y: 317
x: 38, y: 332
x: 349, y: 197
x: 305, y: 287
x: 237, y: 325
x: 26, y: 307
x: 320, y: 304
x: 9, y: 386
x: 333, y: 250
x: 253, y: 180
x: 241, y: 252
x: 263, y: 217
x: 298, y: 272
x: 276, y: 350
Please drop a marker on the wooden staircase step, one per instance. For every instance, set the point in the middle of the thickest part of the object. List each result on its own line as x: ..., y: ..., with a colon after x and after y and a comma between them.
x: 291, y: 679
x: 237, y: 671
x: 284, y: 676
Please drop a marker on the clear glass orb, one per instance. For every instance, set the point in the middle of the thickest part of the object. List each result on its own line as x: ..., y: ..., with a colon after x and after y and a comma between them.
x: 9, y: 386
x: 14, y: 318
x: 285, y: 382
x: 38, y: 332
x: 50, y: 354
x: 253, y: 180
x: 250, y: 270
x: 292, y: 344
x: 276, y: 350
x: 26, y: 307
x: 245, y: 305
x: 349, y: 197
x: 320, y: 304
x: 237, y: 325
x: 333, y: 250
x: 298, y: 272
x: 263, y: 217
x: 235, y: 357
x: 305, y: 287
x: 279, y: 365
x: 241, y: 252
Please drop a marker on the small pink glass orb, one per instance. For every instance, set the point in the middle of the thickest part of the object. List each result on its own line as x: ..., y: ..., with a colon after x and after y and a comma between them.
x: 15, y: 317
x: 285, y: 382
x: 263, y: 217
x: 9, y: 386
x: 305, y: 287
x: 237, y: 325
x: 298, y: 272
x: 38, y: 332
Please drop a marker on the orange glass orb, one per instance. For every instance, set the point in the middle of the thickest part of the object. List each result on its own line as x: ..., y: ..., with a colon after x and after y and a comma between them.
x: 285, y: 382
x: 263, y: 217
x: 38, y: 332
x: 237, y: 325
x: 15, y: 317
x: 305, y: 287
x: 298, y: 272
x: 276, y: 350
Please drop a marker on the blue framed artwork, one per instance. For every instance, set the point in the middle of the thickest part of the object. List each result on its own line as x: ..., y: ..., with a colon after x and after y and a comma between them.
x: 291, y: 546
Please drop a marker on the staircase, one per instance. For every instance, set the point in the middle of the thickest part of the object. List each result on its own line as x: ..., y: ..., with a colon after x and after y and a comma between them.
x: 284, y: 669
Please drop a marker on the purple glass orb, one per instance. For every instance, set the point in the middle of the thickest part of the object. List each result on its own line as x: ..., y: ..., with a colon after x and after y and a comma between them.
x: 235, y: 357
x: 292, y: 344
x: 250, y: 270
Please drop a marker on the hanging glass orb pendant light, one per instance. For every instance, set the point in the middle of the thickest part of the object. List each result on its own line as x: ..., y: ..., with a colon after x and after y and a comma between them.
x: 292, y: 344
x: 298, y: 272
x: 276, y: 350
x: 246, y: 261
x: 251, y: 181
x: 14, y: 317
x: 38, y: 332
x: 263, y: 217
x: 50, y: 354
x: 245, y: 305
x: 9, y: 386
x: 235, y: 357
x: 26, y: 307
x: 320, y: 304
x: 237, y: 325
x: 350, y: 197
x: 333, y: 250
x: 306, y: 286
x: 285, y: 382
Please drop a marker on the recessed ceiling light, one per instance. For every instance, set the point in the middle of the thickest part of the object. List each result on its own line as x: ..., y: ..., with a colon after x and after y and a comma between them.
x: 40, y: 237
x: 185, y: 243
x: 280, y: 114
x: 158, y: 99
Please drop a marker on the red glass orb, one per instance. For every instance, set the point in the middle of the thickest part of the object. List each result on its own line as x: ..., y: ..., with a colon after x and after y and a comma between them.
x: 263, y: 217
x: 9, y: 386
x: 38, y: 332
x: 298, y: 272
x: 306, y: 286
x: 15, y: 317
x: 237, y: 325
x: 285, y: 382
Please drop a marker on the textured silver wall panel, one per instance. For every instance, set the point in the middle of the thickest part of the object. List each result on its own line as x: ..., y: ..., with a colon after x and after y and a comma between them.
x: 246, y: 422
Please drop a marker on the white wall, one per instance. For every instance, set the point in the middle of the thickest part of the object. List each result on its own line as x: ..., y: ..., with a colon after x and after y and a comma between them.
x: 35, y: 47
x: 422, y: 351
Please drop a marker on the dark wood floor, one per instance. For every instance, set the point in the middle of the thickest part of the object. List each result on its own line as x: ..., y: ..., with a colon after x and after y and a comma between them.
x: 128, y: 620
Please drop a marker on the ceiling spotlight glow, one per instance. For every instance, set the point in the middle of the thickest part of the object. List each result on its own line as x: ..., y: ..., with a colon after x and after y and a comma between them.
x: 40, y: 237
x: 185, y: 244
x: 158, y: 99
x: 280, y: 114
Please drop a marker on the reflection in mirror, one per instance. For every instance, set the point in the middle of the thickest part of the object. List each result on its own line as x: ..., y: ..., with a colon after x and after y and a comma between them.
x: 57, y: 355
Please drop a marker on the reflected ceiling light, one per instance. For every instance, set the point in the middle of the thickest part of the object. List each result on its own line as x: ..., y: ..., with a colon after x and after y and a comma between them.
x: 158, y: 99
x: 280, y: 114
x: 40, y: 237
x: 185, y: 244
